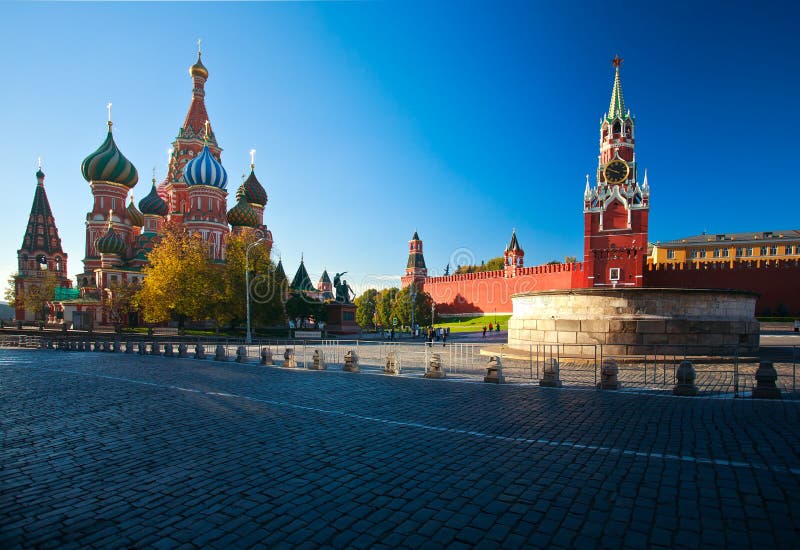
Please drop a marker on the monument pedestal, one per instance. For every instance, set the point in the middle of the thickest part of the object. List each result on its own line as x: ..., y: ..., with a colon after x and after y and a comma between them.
x: 342, y: 319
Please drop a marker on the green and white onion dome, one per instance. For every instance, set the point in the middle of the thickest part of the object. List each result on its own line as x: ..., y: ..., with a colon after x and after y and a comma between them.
x: 110, y: 243
x: 205, y: 170
x: 108, y: 164
x: 153, y: 204
x: 242, y: 215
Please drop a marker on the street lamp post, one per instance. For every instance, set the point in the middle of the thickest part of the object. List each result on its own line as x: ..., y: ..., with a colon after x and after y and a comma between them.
x: 249, y: 338
x: 413, y: 294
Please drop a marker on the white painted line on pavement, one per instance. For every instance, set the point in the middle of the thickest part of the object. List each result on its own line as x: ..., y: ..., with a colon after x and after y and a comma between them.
x: 547, y: 442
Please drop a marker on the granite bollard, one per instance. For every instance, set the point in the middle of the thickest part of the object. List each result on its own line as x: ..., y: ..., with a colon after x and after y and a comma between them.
x: 494, y: 371
x: 609, y: 371
x: 351, y: 361
x: 766, y: 378
x: 266, y: 356
x: 551, y: 375
x: 318, y: 360
x: 435, y: 369
x: 685, y: 377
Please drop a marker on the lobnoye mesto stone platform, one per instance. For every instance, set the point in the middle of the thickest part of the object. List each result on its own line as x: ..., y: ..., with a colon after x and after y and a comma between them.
x: 630, y: 321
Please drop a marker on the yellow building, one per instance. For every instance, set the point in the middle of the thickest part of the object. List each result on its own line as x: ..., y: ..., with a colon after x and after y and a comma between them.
x: 756, y: 247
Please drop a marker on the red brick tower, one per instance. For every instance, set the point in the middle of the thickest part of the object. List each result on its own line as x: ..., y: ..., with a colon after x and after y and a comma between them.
x: 616, y: 209
x: 514, y: 256
x: 188, y: 145
x: 111, y: 176
x: 40, y: 253
x: 416, y: 272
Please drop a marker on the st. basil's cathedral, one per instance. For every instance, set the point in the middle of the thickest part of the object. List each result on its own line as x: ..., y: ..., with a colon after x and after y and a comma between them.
x: 119, y: 235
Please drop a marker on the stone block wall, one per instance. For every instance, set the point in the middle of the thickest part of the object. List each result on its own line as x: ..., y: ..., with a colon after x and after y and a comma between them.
x: 631, y: 321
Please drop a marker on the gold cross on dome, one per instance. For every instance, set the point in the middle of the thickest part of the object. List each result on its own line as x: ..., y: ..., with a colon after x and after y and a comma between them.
x: 199, y: 40
x: 109, y: 111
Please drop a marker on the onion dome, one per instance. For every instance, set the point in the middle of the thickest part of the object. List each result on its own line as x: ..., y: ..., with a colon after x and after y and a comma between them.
x: 153, y: 204
x: 242, y: 215
x: 198, y: 69
x: 110, y: 243
x: 137, y: 220
x: 205, y: 170
x: 109, y: 164
x: 253, y: 190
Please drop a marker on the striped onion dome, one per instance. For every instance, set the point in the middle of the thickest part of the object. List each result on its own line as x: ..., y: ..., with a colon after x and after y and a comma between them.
x: 110, y: 243
x: 242, y: 215
x: 153, y: 204
x: 134, y: 215
x: 205, y: 170
x: 253, y: 190
x: 109, y: 164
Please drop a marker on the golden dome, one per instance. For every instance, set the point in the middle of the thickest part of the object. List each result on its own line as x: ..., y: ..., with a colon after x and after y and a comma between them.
x: 198, y: 69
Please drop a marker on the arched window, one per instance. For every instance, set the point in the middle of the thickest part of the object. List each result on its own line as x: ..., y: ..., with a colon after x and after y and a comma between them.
x: 616, y: 127
x: 58, y: 264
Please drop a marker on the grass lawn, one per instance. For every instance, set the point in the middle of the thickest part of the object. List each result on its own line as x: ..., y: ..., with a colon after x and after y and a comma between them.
x: 473, y: 324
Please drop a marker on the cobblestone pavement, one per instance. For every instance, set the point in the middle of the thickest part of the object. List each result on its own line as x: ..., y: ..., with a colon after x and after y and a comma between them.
x: 124, y: 450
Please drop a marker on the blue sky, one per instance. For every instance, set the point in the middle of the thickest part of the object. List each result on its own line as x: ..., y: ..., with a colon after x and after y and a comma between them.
x: 462, y: 120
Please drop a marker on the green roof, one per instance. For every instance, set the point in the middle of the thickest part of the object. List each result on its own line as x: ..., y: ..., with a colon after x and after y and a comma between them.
x: 62, y: 294
x: 301, y: 279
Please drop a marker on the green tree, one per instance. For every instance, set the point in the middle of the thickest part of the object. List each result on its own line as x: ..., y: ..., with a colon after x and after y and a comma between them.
x: 384, y: 304
x: 119, y: 301
x: 570, y: 259
x: 422, y: 307
x: 181, y: 281
x: 301, y: 306
x: 492, y: 265
x: 266, y: 306
x: 11, y: 291
x: 495, y: 263
x: 366, y: 307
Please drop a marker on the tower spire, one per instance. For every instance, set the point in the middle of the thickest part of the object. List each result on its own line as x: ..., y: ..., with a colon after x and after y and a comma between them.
x: 616, y: 108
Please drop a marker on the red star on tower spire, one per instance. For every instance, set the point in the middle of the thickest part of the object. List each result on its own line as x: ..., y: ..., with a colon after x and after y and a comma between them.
x: 617, y: 61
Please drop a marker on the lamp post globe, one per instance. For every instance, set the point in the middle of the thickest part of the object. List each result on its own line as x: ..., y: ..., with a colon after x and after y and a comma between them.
x: 249, y: 337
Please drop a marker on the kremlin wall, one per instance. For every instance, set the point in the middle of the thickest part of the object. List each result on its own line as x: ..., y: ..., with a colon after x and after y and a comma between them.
x: 617, y: 254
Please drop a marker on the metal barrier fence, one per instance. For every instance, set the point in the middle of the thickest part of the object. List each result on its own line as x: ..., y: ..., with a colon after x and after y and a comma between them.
x: 640, y: 369
x: 19, y: 341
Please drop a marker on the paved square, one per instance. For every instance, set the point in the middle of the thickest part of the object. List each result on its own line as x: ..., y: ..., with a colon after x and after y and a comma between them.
x: 102, y: 449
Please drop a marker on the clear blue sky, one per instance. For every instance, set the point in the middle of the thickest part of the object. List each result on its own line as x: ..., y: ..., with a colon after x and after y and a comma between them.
x: 372, y: 119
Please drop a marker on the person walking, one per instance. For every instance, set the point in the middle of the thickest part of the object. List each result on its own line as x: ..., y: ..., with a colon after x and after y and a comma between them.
x: 490, y: 327
x: 444, y: 337
x: 498, y: 327
x: 484, y: 331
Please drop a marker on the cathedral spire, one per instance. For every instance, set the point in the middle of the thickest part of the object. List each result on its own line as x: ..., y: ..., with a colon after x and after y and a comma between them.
x: 41, y: 234
x: 616, y: 108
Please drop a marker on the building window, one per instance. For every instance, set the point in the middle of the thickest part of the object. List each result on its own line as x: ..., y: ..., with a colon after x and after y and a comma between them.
x: 693, y: 253
x: 702, y: 252
x: 739, y: 252
x: 790, y: 249
x: 725, y: 252
x: 749, y: 251
x: 763, y: 250
x: 670, y: 254
x: 717, y: 252
x: 773, y: 250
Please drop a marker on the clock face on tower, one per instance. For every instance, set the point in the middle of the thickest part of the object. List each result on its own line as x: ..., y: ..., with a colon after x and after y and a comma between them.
x: 616, y: 171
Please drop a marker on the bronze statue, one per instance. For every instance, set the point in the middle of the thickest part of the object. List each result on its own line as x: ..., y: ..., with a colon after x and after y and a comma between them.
x: 343, y: 290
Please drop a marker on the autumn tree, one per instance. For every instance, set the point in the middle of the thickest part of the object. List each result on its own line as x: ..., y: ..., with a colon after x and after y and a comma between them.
x: 366, y: 306
x: 181, y: 281
x: 39, y: 291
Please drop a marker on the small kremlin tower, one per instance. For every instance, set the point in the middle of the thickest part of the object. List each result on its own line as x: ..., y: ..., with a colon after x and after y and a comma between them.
x: 616, y: 209
x: 514, y: 256
x: 416, y: 272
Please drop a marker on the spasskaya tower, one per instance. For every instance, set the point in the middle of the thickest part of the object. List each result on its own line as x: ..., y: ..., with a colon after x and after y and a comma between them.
x: 616, y: 209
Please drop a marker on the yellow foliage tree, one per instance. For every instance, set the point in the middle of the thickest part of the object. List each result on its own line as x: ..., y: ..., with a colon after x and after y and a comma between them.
x: 181, y: 280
